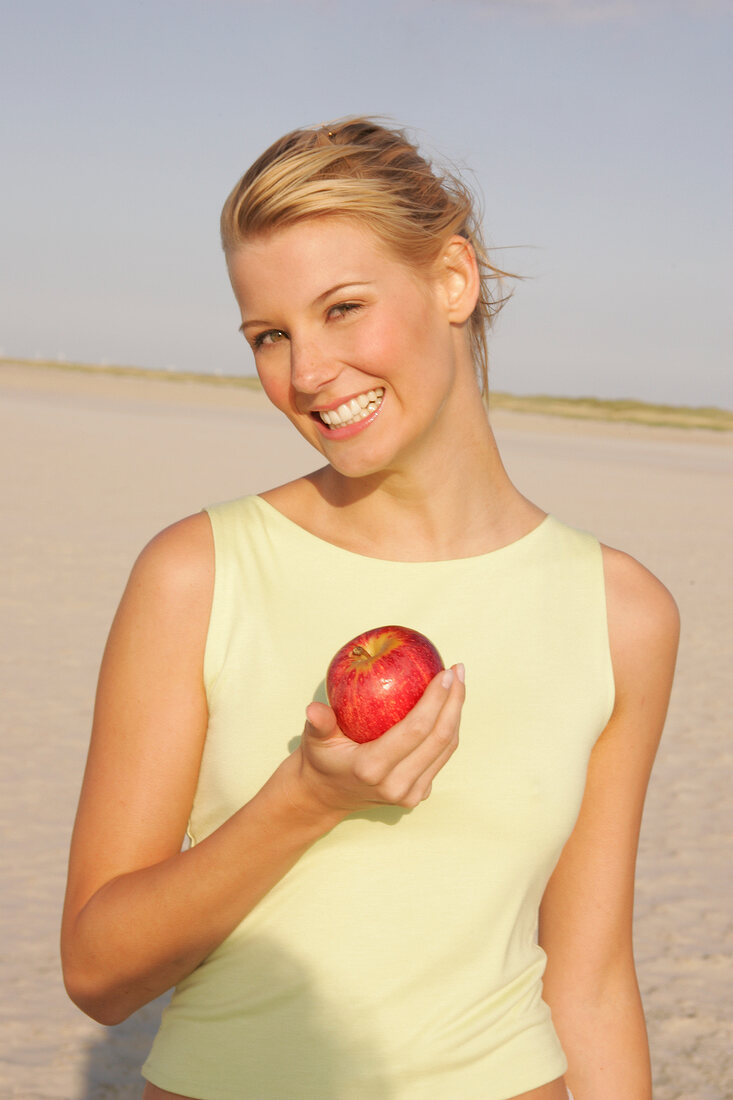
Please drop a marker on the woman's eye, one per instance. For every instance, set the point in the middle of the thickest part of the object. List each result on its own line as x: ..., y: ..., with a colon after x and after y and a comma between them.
x: 343, y: 308
x: 272, y: 336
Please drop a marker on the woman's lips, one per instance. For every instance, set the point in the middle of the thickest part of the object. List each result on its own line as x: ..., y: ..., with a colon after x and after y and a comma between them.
x: 353, y: 410
x: 350, y: 417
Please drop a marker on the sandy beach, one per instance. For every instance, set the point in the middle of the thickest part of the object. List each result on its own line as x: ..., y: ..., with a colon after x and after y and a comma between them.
x: 94, y: 465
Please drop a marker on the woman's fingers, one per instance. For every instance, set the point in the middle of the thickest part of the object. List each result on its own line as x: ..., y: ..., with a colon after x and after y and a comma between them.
x: 418, y: 745
x: 422, y: 786
x: 397, y: 768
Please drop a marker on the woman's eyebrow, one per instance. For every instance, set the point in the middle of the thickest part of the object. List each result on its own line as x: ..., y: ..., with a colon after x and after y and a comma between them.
x: 316, y: 301
x: 247, y: 324
x: 340, y: 286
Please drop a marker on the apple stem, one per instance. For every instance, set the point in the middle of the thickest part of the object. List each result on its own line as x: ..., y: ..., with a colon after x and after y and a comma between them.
x: 359, y: 651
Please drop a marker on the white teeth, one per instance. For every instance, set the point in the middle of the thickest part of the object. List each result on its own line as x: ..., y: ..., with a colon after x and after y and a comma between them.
x: 356, y: 409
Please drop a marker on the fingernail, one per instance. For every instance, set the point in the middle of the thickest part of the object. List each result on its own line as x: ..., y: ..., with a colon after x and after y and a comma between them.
x: 461, y: 673
x: 447, y: 678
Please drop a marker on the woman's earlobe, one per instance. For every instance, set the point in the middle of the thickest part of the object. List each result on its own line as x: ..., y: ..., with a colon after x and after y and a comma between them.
x: 461, y: 279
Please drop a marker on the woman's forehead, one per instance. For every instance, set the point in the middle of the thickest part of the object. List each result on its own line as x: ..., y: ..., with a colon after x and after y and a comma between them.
x: 307, y: 256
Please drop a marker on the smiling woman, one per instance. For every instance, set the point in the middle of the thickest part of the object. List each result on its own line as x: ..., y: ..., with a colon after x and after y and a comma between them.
x: 368, y: 359
x: 403, y: 918
x: 377, y: 177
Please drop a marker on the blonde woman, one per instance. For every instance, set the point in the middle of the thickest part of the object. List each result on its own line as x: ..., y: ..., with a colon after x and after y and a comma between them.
x: 411, y: 918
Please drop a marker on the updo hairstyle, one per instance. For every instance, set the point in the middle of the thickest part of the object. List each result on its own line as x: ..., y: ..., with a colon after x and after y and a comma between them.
x: 359, y: 168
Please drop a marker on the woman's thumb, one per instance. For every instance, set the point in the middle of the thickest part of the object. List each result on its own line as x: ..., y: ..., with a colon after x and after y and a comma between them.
x: 321, y: 721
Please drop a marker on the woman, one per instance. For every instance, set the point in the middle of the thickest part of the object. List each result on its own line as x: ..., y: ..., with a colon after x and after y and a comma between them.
x: 360, y: 921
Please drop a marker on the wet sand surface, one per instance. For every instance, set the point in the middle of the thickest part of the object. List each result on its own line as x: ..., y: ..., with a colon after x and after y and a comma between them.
x: 93, y: 466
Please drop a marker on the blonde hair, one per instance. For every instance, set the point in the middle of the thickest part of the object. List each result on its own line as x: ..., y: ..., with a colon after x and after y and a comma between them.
x: 359, y: 168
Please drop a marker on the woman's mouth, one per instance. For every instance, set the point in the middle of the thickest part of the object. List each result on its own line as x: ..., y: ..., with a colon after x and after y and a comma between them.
x: 352, y: 411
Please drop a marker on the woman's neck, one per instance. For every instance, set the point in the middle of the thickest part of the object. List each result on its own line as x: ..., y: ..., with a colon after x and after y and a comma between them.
x: 458, y: 509
x: 449, y: 501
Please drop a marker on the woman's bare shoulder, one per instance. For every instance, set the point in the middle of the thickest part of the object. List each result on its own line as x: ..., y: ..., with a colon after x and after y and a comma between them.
x: 643, y: 618
x: 632, y: 590
x: 170, y: 588
x: 180, y: 557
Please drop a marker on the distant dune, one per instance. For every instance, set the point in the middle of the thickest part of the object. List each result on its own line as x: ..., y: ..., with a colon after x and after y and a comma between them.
x: 576, y: 408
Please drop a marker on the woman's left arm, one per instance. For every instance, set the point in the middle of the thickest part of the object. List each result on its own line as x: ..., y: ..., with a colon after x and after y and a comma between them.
x: 586, y: 913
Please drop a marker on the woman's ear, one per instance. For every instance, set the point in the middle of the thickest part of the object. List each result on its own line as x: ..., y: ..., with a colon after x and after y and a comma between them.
x: 458, y: 274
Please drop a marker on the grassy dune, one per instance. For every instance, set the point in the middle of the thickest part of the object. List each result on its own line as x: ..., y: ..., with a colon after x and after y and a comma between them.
x: 635, y: 412
x: 245, y: 382
x: 583, y: 408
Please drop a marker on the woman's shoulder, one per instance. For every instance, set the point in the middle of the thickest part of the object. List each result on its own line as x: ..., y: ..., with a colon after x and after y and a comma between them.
x: 632, y: 589
x: 643, y: 618
x: 178, y: 561
x: 159, y: 630
x: 297, y: 499
x: 294, y: 499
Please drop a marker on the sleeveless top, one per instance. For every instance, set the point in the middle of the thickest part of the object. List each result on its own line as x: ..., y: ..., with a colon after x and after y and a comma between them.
x: 398, y: 959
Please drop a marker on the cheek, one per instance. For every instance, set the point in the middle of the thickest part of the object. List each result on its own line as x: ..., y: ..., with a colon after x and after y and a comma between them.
x: 275, y: 379
x: 387, y: 342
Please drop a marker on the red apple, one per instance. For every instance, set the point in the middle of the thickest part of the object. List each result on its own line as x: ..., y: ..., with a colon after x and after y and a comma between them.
x: 376, y: 678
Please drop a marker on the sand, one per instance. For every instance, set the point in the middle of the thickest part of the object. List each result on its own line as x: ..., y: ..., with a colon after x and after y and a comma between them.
x: 93, y: 466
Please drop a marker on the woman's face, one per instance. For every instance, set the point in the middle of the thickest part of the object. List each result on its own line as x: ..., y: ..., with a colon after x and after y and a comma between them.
x: 354, y: 346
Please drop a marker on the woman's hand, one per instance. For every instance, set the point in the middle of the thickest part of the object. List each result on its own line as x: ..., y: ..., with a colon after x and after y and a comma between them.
x: 337, y: 774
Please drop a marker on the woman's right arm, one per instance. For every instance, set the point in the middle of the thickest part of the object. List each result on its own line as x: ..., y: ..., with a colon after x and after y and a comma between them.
x: 140, y: 914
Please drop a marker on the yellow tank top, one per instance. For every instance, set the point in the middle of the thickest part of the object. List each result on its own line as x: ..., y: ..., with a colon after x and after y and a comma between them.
x: 398, y: 959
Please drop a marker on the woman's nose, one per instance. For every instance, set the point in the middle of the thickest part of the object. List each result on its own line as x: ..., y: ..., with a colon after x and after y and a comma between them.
x: 310, y: 367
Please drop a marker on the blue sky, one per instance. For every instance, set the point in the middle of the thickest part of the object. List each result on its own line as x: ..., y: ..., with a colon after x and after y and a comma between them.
x: 597, y: 131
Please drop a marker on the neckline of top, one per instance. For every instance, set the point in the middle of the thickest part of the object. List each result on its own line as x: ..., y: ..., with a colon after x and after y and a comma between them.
x: 269, y: 510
